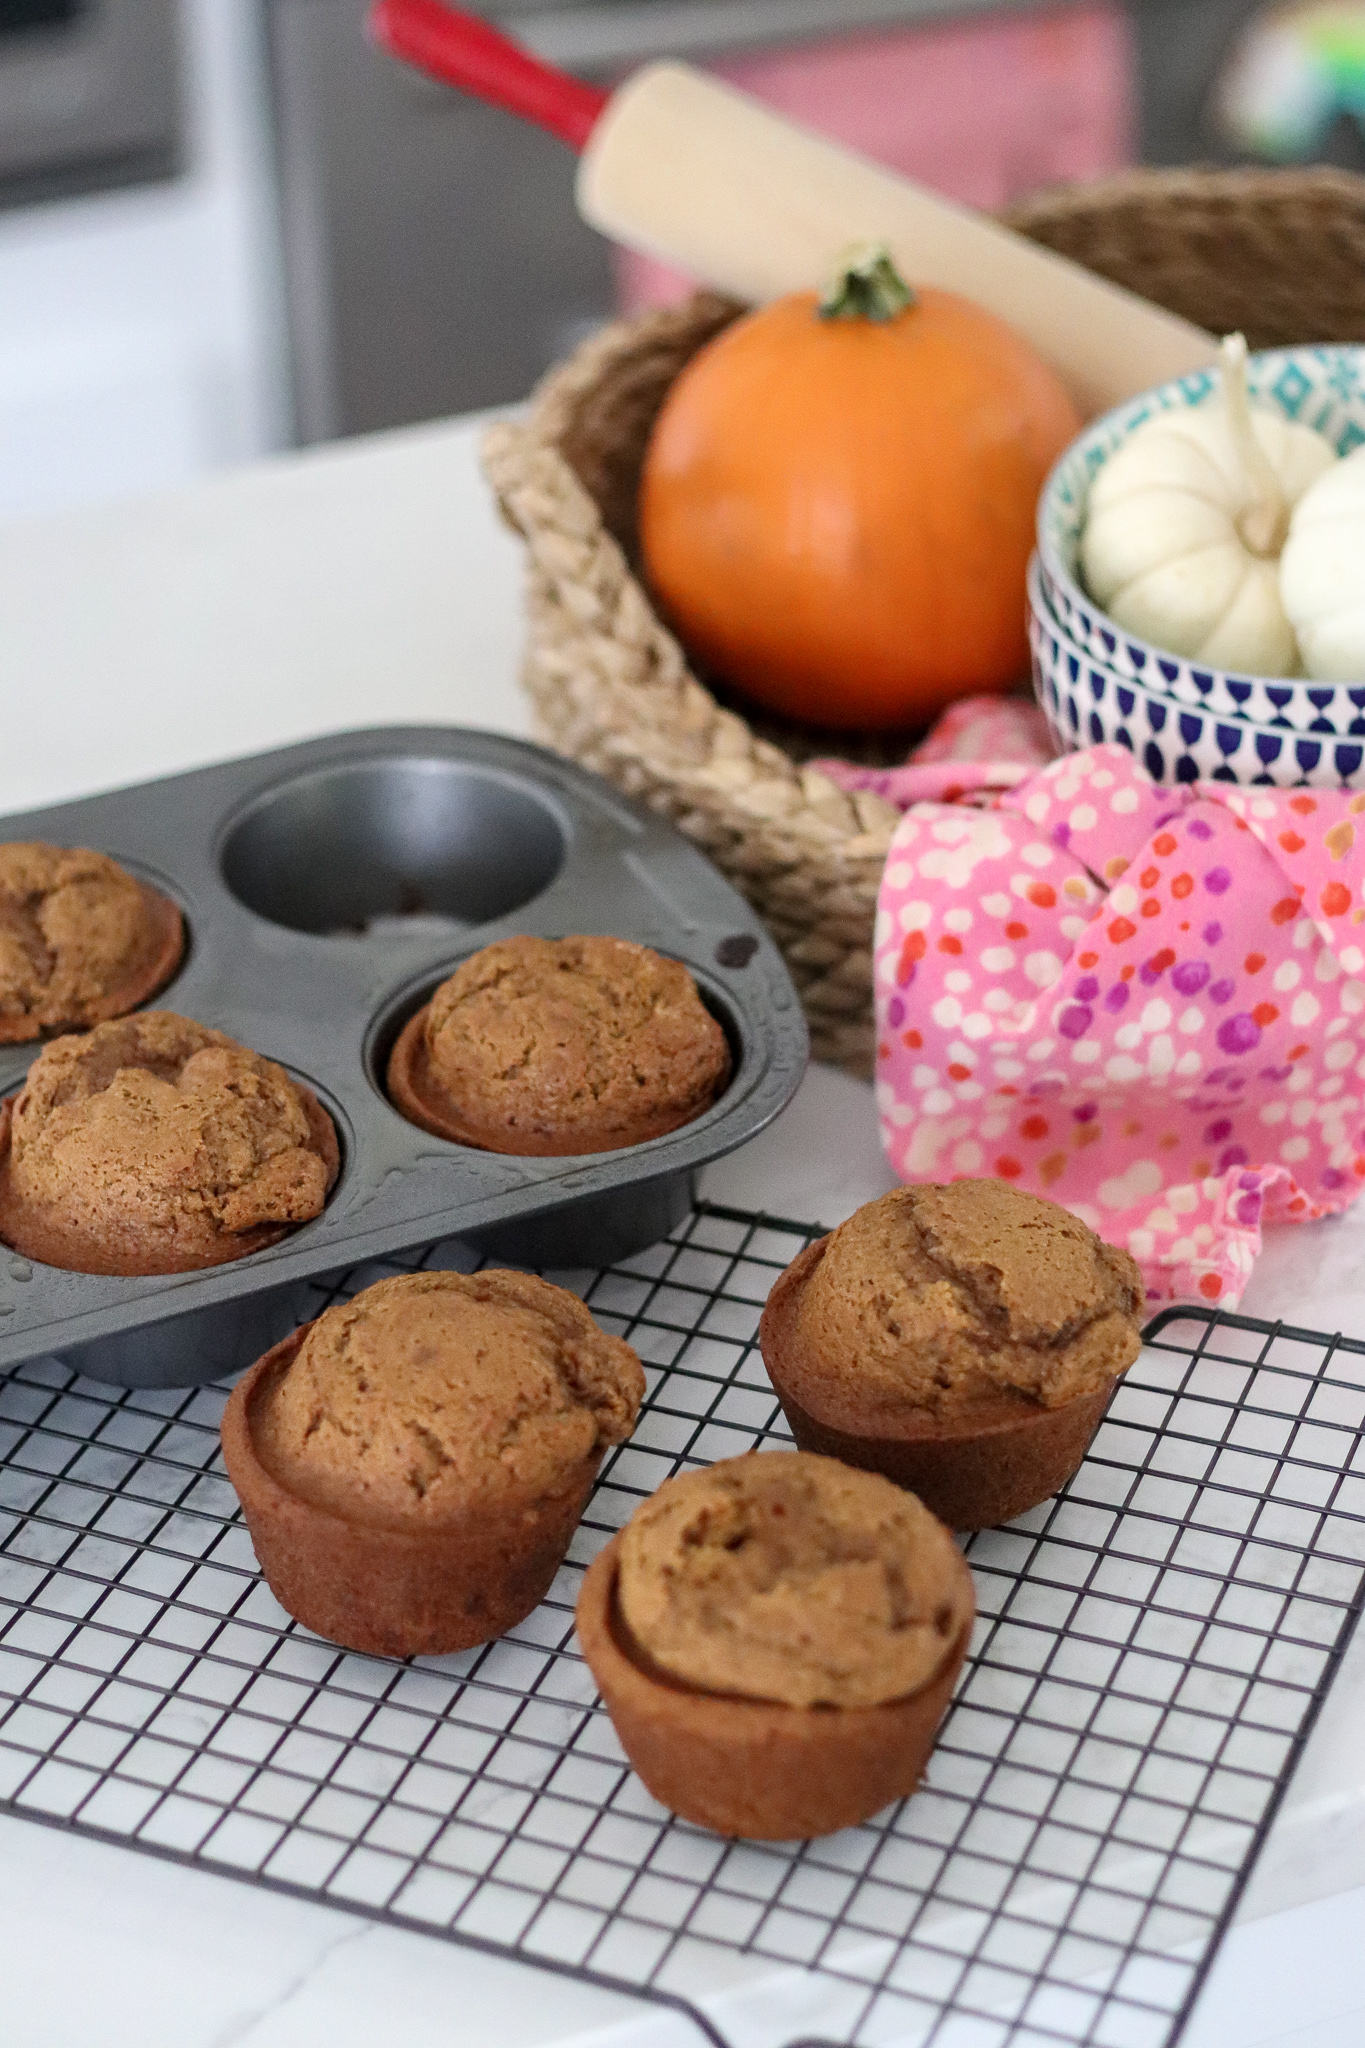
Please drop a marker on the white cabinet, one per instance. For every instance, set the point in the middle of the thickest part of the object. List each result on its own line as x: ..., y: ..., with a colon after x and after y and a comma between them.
x: 140, y: 341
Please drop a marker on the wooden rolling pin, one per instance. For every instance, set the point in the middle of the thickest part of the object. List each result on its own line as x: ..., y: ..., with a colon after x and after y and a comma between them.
x: 681, y: 167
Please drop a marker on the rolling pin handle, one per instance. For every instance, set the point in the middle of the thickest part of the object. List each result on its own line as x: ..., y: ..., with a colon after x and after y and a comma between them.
x: 463, y: 51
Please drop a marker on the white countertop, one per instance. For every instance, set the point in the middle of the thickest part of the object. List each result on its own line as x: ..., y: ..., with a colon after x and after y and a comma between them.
x: 372, y: 584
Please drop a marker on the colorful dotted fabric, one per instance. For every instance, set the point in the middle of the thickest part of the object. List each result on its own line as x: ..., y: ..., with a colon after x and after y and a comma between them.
x: 1145, y: 1003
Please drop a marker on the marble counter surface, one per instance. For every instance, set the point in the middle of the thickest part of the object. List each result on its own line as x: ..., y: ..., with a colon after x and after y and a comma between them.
x: 372, y: 584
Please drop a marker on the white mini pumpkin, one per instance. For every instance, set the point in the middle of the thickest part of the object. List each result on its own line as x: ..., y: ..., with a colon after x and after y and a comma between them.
x: 1186, y: 520
x: 1322, y: 573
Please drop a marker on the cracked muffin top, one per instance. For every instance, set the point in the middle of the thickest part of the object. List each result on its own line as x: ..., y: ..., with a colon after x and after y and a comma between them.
x: 788, y: 1577
x: 552, y: 1046
x: 154, y: 1145
x: 949, y: 1299
x: 80, y: 939
x: 432, y: 1388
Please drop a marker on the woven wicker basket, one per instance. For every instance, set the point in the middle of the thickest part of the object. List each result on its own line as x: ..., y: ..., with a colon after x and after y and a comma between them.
x: 1279, y: 254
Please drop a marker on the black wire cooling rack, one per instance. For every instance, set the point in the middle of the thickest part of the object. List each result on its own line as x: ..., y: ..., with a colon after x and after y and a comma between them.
x: 1151, y: 1651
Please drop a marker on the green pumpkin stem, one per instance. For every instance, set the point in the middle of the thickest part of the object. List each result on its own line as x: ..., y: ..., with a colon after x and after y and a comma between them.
x: 866, y: 285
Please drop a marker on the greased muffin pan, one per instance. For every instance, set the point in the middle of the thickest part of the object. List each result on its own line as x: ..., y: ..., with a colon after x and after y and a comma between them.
x: 328, y: 889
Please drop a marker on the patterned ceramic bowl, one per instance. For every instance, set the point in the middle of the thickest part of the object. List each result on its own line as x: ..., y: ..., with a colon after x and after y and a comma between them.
x: 1321, y: 387
x: 1087, y: 702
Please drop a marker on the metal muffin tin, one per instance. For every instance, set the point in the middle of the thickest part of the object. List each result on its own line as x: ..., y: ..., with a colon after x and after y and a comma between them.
x: 327, y: 889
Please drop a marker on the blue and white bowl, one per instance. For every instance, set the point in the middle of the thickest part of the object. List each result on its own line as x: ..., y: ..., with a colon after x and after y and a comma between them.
x: 1321, y: 387
x: 1086, y: 702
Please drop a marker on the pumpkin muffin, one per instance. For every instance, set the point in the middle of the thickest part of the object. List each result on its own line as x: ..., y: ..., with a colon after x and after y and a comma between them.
x: 154, y: 1145
x: 964, y: 1340
x: 776, y: 1639
x: 551, y: 1046
x: 413, y: 1465
x: 81, y: 940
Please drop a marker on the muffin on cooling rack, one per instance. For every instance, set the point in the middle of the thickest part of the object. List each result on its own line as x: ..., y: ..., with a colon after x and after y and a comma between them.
x: 964, y: 1340
x: 776, y: 1639
x: 81, y: 940
x: 552, y: 1046
x: 413, y: 1464
x: 154, y: 1145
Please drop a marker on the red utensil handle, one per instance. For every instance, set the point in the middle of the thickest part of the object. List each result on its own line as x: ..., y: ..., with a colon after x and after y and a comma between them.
x: 463, y: 51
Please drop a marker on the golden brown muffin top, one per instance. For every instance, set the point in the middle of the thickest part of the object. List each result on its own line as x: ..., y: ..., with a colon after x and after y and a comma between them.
x: 943, y: 1298
x: 588, y: 1043
x: 157, y: 1122
x: 784, y: 1576
x: 72, y: 924
x: 432, y: 1391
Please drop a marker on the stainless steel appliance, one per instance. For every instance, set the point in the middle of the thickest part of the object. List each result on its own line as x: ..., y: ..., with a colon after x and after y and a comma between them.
x: 434, y: 261
x: 89, y: 95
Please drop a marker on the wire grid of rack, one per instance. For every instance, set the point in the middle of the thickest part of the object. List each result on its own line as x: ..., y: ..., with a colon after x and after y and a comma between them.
x: 1151, y: 1649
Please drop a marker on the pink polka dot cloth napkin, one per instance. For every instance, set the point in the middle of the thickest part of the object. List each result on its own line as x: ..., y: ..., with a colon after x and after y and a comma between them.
x: 1146, y: 1003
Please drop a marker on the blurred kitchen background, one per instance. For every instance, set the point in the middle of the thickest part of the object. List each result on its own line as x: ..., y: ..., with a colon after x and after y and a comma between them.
x: 231, y: 226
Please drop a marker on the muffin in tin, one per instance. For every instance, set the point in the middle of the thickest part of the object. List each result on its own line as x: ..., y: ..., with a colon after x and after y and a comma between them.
x: 81, y: 940
x: 155, y: 1145
x: 776, y: 1638
x: 413, y: 1464
x: 553, y: 1046
x: 964, y: 1340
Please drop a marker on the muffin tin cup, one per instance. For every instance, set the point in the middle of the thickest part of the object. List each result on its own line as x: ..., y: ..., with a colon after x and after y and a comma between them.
x: 756, y: 1768
x: 389, y: 1591
x: 43, y: 1236
x: 328, y: 889
x: 160, y: 962
x: 974, y: 1478
x: 420, y: 1095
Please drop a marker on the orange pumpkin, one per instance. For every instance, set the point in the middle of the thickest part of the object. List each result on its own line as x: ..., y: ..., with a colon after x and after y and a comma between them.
x: 837, y: 502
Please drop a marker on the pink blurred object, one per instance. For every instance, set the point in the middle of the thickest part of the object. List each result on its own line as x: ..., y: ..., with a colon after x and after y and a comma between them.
x: 980, y: 110
x: 1145, y: 1003
x: 980, y: 745
x: 988, y: 729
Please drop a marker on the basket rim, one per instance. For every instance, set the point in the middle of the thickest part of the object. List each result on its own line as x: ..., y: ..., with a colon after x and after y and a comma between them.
x: 1264, y: 184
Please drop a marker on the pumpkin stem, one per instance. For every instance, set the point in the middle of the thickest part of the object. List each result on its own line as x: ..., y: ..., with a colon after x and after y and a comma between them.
x: 866, y: 285
x: 1263, y: 521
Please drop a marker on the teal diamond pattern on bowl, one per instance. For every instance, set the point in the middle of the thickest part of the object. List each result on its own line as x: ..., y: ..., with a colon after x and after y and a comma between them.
x: 1291, y: 388
x: 1344, y: 377
x: 1194, y: 388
